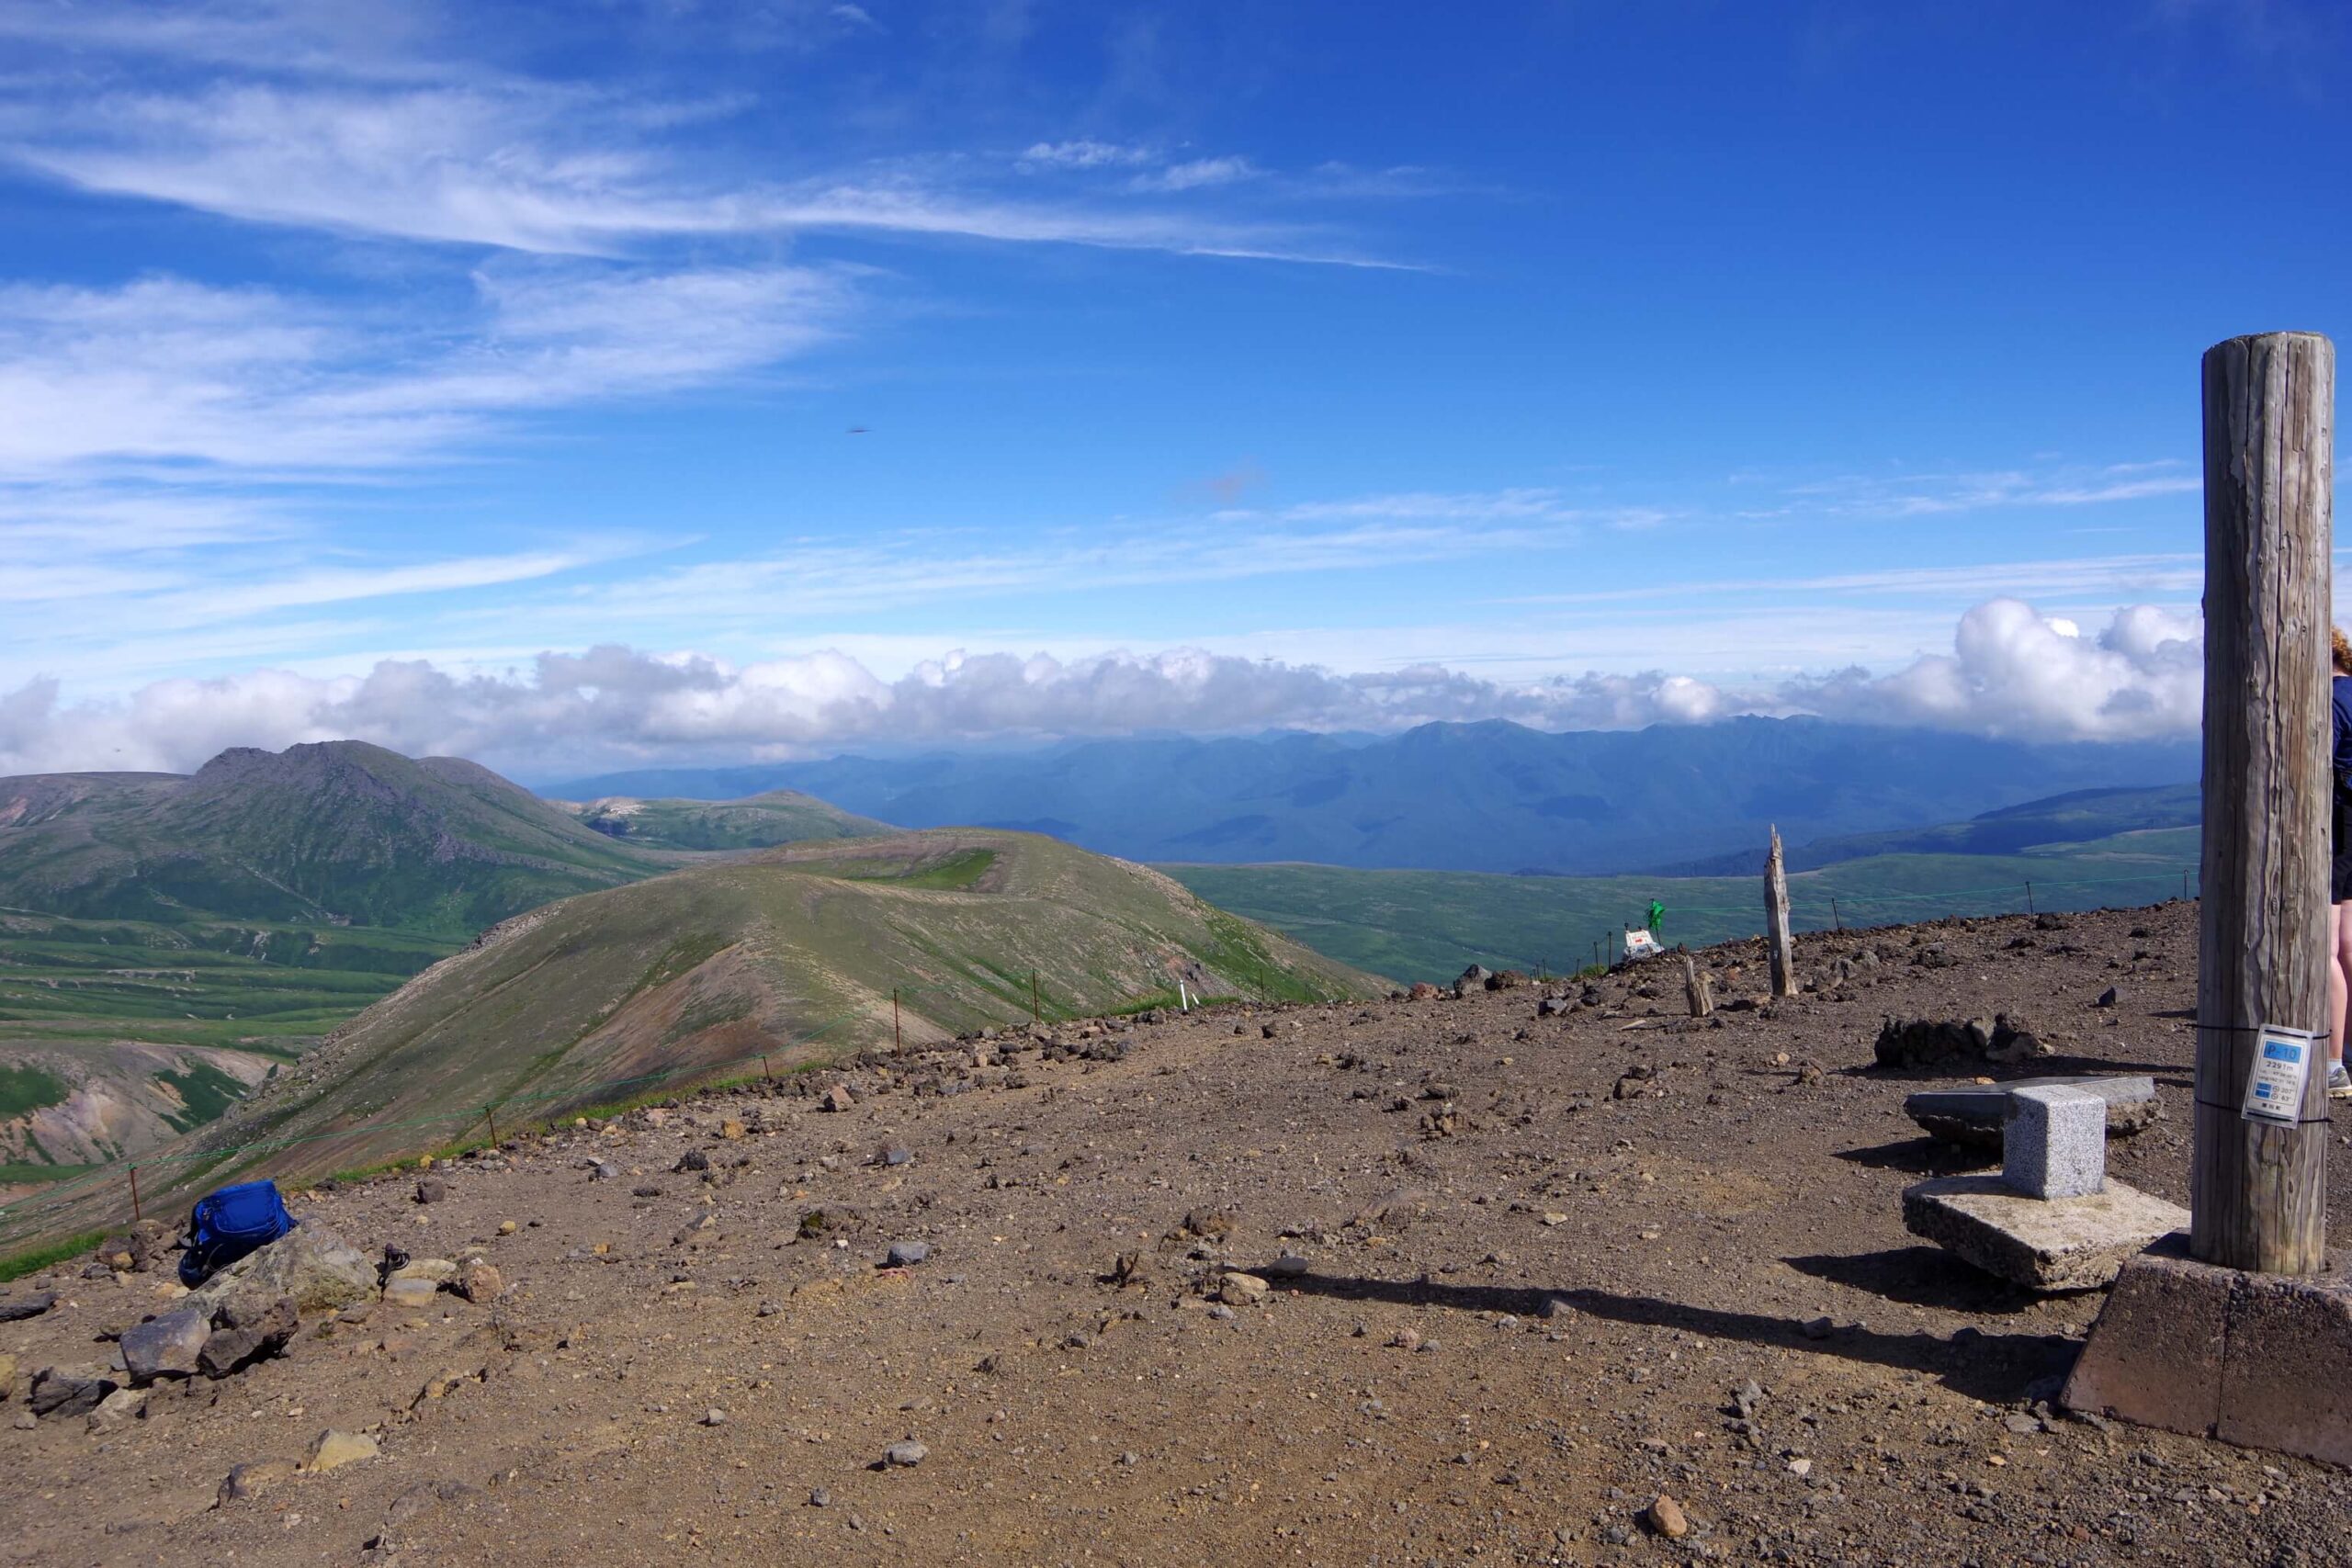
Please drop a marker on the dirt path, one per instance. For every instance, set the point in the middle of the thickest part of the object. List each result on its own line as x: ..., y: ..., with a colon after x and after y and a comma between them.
x: 1527, y: 1308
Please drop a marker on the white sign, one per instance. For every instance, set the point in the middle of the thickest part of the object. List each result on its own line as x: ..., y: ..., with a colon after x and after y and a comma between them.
x: 1642, y: 944
x: 2282, y: 1061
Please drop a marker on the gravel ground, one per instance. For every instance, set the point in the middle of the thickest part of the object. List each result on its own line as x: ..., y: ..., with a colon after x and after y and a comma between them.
x: 1540, y: 1271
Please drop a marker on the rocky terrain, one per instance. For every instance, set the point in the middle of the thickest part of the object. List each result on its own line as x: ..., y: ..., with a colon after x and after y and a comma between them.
x: 1534, y: 1274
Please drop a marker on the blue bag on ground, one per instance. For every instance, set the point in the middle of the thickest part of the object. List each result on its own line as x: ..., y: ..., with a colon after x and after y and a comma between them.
x: 229, y: 1223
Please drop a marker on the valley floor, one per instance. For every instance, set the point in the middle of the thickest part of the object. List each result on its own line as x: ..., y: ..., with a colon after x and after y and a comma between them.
x: 1528, y: 1304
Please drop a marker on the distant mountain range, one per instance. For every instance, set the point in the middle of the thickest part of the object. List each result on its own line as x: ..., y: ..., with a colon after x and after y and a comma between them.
x: 1489, y: 796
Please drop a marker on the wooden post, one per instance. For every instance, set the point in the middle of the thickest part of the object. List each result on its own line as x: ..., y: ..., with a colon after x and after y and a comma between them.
x: 894, y: 1018
x: 1836, y: 918
x: 135, y: 1214
x: 1036, y: 1010
x: 1776, y: 922
x: 491, y: 1111
x: 1696, y: 989
x: 2259, y: 1195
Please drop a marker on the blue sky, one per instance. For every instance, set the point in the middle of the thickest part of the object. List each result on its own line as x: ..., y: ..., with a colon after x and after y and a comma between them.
x: 563, y: 384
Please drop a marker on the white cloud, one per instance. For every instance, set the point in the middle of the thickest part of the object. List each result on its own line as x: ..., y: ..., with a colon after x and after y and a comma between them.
x: 162, y: 369
x: 1198, y: 173
x: 2011, y: 672
x: 538, y: 167
x: 1936, y: 494
x: 1083, y: 153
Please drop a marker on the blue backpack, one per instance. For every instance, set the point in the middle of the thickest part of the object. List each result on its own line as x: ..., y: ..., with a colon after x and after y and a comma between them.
x: 229, y: 1223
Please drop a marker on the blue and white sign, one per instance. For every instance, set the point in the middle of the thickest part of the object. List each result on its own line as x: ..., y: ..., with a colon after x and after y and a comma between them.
x: 2282, y: 1061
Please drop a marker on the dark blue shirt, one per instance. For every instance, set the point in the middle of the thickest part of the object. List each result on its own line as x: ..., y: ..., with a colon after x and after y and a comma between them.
x: 2343, y: 733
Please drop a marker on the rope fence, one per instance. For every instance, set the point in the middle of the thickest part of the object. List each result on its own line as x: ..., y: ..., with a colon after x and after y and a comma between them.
x: 1814, y: 910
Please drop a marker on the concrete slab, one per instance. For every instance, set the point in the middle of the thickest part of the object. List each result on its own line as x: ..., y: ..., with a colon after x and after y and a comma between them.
x: 1973, y: 1114
x: 2057, y: 1244
x: 2255, y: 1359
x: 2156, y: 1355
x: 2287, y: 1375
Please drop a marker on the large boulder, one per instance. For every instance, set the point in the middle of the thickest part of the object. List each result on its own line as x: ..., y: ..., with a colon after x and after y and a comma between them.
x: 165, y: 1347
x: 311, y: 1265
x: 248, y: 1333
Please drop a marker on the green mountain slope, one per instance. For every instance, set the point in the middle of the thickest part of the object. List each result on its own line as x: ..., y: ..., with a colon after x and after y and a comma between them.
x: 1429, y: 925
x: 760, y: 822
x: 341, y: 832
x: 2077, y: 817
x: 793, y: 953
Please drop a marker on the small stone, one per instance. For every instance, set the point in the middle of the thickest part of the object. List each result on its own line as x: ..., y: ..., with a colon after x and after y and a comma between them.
x: 905, y: 1455
x: 1405, y: 1339
x: 821, y: 1497
x: 506, y: 1227
x: 414, y: 1293
x: 478, y: 1282
x: 897, y: 1153
x: 247, y: 1481
x: 838, y: 1097
x: 117, y: 1411
x: 692, y: 1160
x: 714, y: 1417
x: 731, y: 1130
x: 1800, y: 1468
x: 1665, y: 1516
x: 906, y: 1253
x: 1242, y: 1290
x: 431, y: 1190
x: 333, y: 1449
x: 602, y: 1170
x: 1289, y: 1266
x: 30, y: 1306
x: 7, y: 1378
x: 69, y: 1391
x: 2106, y: 998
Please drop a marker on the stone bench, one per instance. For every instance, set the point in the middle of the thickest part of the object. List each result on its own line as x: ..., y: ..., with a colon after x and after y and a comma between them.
x: 2048, y: 1220
x: 1973, y: 1114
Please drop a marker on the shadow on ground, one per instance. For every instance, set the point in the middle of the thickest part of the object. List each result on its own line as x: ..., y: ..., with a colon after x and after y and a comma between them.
x: 1996, y: 1368
x: 1921, y: 1156
x: 1917, y: 1276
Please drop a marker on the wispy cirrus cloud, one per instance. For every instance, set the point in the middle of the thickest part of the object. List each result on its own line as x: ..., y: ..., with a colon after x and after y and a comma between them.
x: 555, y: 169
x: 268, y: 383
x: 1936, y: 494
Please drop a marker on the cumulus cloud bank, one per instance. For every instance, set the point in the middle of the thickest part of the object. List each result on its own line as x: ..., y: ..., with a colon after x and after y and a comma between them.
x: 2011, y: 672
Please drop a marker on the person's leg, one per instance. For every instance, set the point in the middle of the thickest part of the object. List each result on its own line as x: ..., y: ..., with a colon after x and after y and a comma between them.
x: 2339, y: 996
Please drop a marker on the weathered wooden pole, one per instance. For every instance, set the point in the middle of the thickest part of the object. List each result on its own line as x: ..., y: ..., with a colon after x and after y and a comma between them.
x: 1776, y: 922
x: 1696, y: 988
x: 2258, y: 1190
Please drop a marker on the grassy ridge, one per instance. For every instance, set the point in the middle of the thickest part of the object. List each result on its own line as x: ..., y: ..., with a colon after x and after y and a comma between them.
x: 758, y: 822
x: 794, y: 955
x: 1429, y: 925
